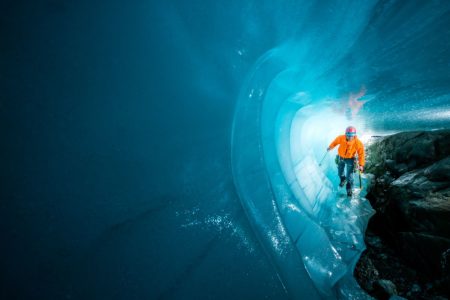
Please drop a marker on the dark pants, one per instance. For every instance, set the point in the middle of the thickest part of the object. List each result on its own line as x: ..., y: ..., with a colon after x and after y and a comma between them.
x: 347, y: 164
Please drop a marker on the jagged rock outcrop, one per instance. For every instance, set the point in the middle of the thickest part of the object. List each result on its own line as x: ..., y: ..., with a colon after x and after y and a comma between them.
x: 408, y: 151
x: 411, y: 194
x: 384, y: 289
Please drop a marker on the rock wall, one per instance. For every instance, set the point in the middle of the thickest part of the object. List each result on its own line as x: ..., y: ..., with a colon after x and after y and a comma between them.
x: 411, y: 194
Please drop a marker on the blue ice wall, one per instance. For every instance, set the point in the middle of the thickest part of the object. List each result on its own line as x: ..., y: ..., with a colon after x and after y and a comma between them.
x: 313, y: 233
x: 170, y: 150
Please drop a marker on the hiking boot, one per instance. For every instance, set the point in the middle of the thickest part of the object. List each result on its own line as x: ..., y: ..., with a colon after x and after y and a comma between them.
x: 349, y: 193
x: 343, y: 181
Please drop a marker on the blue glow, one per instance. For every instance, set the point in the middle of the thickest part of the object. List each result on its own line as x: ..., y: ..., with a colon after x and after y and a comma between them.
x: 171, y: 149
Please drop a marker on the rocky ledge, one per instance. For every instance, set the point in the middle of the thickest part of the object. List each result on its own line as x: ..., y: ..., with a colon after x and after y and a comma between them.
x: 408, y: 239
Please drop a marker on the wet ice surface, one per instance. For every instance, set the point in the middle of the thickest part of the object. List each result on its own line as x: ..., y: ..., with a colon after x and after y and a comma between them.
x: 293, y: 201
x: 346, y: 221
x: 343, y: 220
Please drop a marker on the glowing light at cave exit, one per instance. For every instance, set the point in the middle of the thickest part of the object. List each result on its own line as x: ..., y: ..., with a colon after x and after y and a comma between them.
x: 313, y: 128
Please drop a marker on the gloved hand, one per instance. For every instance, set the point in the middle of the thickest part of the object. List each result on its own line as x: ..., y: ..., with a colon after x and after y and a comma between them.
x: 361, y: 169
x: 328, y: 149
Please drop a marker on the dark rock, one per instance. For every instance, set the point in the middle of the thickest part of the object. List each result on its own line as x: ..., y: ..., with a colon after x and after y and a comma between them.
x: 445, y: 263
x: 424, y: 251
x: 418, y: 206
x: 380, y: 260
x: 370, y: 180
x: 440, y: 171
x: 411, y: 195
x: 374, y: 241
x: 366, y: 273
x: 394, y: 168
x: 437, y: 298
x: 384, y: 289
x: 397, y: 297
x: 422, y: 150
x: 390, y: 164
x: 387, y: 179
x: 412, y: 149
x: 415, y: 289
x: 442, y: 286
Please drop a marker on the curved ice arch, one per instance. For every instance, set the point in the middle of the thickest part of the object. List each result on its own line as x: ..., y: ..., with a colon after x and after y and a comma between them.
x: 313, y: 244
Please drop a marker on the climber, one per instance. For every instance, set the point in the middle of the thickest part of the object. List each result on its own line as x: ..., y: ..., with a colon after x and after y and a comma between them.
x: 349, y: 146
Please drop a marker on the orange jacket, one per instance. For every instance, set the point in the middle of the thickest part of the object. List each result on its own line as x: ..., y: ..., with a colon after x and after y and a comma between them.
x: 348, y: 149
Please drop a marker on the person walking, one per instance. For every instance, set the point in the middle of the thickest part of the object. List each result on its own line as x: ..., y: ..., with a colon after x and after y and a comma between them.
x: 349, y: 147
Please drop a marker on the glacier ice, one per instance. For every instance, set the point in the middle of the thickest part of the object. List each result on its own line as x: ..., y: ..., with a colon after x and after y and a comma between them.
x: 278, y: 141
x: 117, y: 129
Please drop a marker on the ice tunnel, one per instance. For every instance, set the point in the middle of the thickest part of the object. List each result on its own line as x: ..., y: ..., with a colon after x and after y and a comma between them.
x: 176, y: 149
x: 314, y: 234
x: 291, y: 106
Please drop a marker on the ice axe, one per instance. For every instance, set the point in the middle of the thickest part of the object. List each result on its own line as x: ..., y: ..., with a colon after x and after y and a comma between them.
x: 321, y: 161
x: 359, y: 173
